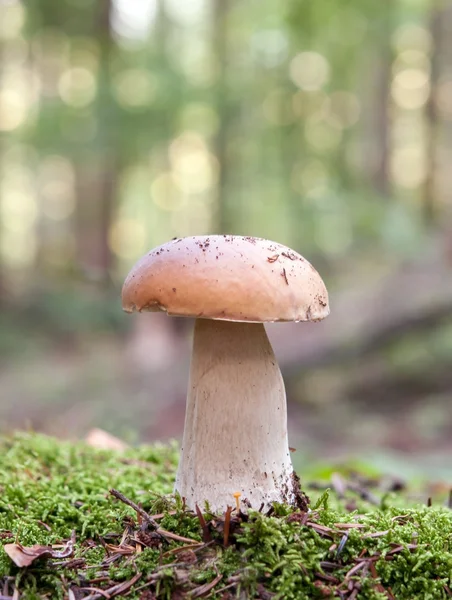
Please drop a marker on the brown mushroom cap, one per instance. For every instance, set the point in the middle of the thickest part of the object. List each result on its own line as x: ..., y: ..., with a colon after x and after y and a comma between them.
x: 229, y: 278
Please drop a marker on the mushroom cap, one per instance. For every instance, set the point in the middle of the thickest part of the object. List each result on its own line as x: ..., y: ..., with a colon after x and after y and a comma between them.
x: 226, y: 277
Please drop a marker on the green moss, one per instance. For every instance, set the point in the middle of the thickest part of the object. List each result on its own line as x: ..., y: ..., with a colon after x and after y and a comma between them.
x: 49, y: 489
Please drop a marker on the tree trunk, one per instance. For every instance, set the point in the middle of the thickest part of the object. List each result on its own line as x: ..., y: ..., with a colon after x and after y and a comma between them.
x: 2, y: 280
x: 221, y: 52
x: 431, y: 114
x: 382, y: 119
x: 443, y: 183
x: 98, y: 175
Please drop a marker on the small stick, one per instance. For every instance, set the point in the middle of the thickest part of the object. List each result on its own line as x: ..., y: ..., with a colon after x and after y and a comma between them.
x: 203, y: 589
x: 149, y: 520
x: 177, y: 538
x: 135, y: 507
x: 115, y: 590
x: 227, y: 522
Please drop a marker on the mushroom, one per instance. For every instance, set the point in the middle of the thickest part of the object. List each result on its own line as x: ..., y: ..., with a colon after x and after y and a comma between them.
x: 235, y: 435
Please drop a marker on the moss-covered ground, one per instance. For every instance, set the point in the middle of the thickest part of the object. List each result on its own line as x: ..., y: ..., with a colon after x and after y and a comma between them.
x: 355, y: 542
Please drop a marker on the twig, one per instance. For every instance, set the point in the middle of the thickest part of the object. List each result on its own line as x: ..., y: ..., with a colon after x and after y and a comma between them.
x: 115, y: 590
x: 203, y: 589
x: 135, y: 507
x: 226, y: 587
x: 178, y: 549
x: 98, y: 593
x: 227, y: 522
x: 377, y: 534
x: 177, y: 538
x: 149, y: 520
x: 355, y: 569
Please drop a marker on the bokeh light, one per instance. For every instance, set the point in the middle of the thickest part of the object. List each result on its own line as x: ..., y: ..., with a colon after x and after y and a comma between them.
x: 132, y: 20
x: 410, y: 88
x: 187, y: 13
x: 77, y: 87
x: 409, y: 166
x: 309, y: 71
x: 127, y: 238
x: 270, y: 47
x: 196, y: 61
x: 416, y: 59
x: 194, y: 168
x: 12, y: 19
x: 19, y: 210
x: 18, y: 217
x: 13, y: 109
x: 412, y: 36
x: 166, y: 194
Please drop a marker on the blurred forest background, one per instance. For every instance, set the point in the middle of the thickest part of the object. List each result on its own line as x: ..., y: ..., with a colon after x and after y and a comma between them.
x: 322, y: 124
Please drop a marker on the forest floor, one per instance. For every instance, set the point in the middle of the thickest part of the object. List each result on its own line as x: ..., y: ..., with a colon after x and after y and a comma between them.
x: 78, y: 522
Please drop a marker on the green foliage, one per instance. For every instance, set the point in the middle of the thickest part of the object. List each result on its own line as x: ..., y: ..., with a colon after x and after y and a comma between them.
x: 50, y: 488
x: 322, y: 502
x: 66, y: 486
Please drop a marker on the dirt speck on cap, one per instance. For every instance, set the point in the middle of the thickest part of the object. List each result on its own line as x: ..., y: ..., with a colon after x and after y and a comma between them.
x: 321, y: 300
x: 292, y: 255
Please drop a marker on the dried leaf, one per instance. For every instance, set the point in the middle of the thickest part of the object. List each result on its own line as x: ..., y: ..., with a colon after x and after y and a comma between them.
x: 24, y: 556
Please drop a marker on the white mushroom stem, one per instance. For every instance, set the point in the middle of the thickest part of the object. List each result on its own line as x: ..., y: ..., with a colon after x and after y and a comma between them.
x: 235, y: 437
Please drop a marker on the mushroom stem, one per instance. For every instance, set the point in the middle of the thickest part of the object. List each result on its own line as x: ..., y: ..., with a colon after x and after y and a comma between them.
x: 235, y: 436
